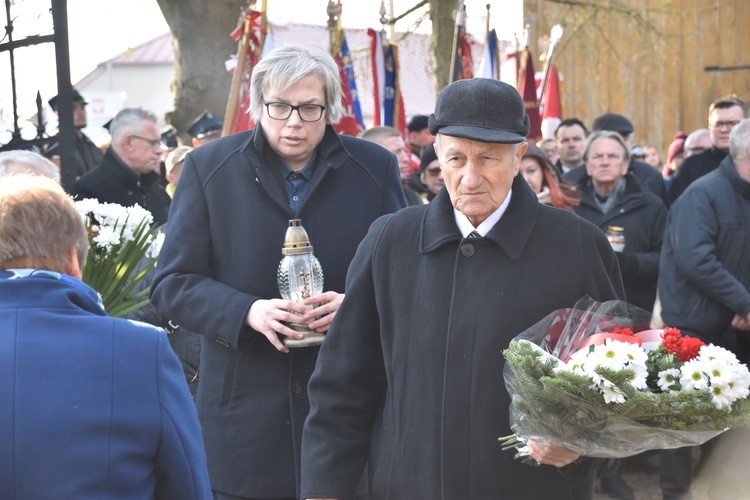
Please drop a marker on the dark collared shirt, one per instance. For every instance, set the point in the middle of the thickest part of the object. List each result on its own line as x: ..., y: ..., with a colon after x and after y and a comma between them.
x: 296, y: 183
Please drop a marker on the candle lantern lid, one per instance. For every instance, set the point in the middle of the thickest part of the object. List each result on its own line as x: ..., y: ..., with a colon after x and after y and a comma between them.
x: 296, y: 241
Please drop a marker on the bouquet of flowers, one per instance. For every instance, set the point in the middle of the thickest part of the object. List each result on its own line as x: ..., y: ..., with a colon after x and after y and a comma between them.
x: 583, y: 380
x: 124, y: 247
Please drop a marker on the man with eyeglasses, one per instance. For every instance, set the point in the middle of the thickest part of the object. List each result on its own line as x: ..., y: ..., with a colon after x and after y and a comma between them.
x: 217, y: 269
x: 129, y: 173
x: 723, y: 114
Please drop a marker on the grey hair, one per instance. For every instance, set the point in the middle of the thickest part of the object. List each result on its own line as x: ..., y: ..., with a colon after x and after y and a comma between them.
x: 694, y: 135
x: 129, y: 120
x: 739, y: 139
x: 605, y: 134
x: 285, y: 66
x: 35, y: 163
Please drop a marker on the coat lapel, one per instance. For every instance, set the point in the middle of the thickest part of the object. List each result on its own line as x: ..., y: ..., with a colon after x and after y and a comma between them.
x: 510, y: 233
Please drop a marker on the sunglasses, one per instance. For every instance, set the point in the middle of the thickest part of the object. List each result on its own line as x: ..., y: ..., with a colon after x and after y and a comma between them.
x: 433, y: 172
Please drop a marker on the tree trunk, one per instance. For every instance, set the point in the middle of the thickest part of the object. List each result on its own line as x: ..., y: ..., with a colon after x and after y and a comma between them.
x: 200, y: 30
x: 443, y: 26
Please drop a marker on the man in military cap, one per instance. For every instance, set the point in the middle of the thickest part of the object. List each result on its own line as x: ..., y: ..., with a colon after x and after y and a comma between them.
x: 205, y: 129
x: 86, y: 154
x: 410, y: 378
x: 419, y: 135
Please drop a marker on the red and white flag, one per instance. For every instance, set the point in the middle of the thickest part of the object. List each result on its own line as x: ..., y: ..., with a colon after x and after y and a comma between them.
x: 527, y: 88
x: 551, y: 107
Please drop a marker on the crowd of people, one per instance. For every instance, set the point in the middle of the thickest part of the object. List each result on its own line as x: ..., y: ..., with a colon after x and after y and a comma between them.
x: 437, y: 249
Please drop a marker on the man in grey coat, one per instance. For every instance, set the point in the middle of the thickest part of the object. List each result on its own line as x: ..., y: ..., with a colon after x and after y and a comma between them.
x: 410, y: 377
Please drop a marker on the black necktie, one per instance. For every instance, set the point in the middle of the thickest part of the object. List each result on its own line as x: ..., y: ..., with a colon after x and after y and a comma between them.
x: 474, y: 234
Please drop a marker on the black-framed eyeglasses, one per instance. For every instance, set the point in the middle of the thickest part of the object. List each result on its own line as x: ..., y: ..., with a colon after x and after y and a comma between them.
x: 306, y: 112
x: 151, y: 142
x: 720, y: 125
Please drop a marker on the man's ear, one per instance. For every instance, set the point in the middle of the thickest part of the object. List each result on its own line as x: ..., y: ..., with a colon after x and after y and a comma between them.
x: 74, y: 269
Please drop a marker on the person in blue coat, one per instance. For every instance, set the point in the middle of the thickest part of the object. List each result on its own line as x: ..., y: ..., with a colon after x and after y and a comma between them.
x: 91, y: 406
x: 217, y: 268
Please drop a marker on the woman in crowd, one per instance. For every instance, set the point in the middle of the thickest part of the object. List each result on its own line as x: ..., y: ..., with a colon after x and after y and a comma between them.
x: 428, y: 181
x: 539, y: 174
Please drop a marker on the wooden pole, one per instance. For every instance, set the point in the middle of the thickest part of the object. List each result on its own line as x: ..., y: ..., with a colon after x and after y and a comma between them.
x: 234, y: 91
x: 460, y: 9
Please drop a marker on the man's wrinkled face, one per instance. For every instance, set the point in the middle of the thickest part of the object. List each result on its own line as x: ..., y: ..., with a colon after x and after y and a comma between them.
x: 142, y: 148
x: 606, y: 163
x: 293, y: 139
x: 478, y: 175
x: 721, y: 121
x: 570, y: 142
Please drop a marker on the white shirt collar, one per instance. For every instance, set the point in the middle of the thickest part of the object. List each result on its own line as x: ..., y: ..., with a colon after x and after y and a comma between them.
x: 466, y: 227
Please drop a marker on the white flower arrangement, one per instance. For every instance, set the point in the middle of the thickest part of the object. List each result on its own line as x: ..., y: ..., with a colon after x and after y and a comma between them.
x: 583, y: 380
x: 124, y: 247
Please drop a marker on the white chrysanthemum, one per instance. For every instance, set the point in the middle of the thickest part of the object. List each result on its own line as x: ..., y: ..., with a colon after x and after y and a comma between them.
x: 106, y: 238
x: 641, y: 377
x: 577, y: 362
x: 158, y: 241
x: 109, y: 213
x: 611, y: 393
x: 738, y: 385
x: 86, y: 206
x: 714, y: 352
x: 721, y: 396
x: 611, y: 354
x: 636, y: 361
x: 718, y: 370
x: 668, y: 378
x: 693, y: 378
x: 138, y: 214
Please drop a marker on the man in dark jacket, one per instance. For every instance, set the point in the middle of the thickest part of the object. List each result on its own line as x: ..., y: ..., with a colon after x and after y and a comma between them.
x: 86, y: 154
x: 704, y: 275
x: 648, y: 177
x: 723, y: 115
x: 218, y: 273
x: 612, y: 196
x: 129, y: 173
x: 411, y: 374
x: 90, y: 406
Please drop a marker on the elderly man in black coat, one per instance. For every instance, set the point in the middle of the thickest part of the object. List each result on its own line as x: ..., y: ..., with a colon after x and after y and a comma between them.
x: 217, y: 268
x: 410, y: 376
x: 129, y: 172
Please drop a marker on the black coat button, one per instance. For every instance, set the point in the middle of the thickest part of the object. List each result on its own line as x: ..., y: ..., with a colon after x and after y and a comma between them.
x: 296, y: 388
x: 467, y: 250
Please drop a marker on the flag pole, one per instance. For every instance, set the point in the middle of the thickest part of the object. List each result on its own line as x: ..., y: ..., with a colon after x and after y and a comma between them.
x: 334, y: 27
x: 459, y: 12
x: 234, y: 91
x: 487, y: 25
x: 555, y: 36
